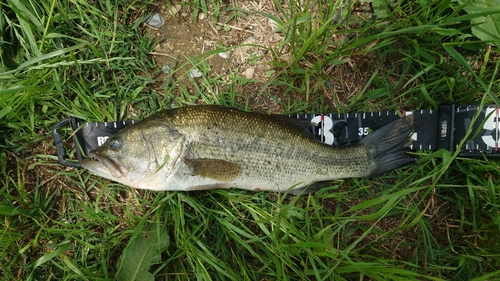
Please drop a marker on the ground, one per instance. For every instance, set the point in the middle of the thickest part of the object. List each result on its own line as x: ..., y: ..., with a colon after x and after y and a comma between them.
x: 246, y: 34
x: 436, y: 218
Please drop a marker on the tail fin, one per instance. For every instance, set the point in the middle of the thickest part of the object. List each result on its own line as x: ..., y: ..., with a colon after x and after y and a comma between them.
x: 388, y: 145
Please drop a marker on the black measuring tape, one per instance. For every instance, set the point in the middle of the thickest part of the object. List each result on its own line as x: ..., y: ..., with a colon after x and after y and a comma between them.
x: 434, y: 129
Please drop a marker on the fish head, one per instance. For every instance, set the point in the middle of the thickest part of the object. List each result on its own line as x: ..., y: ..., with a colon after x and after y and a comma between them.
x: 137, y: 154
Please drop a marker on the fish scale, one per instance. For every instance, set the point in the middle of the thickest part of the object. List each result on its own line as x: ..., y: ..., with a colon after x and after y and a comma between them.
x: 261, y: 143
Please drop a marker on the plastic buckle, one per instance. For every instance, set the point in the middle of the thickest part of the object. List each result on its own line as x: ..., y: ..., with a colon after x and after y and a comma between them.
x: 58, y: 141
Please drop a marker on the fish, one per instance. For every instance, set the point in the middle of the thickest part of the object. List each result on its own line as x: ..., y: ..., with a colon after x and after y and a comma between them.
x: 203, y: 147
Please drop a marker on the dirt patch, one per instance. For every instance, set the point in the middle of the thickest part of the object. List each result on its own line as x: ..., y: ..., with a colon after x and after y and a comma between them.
x: 237, y: 49
x: 223, y: 50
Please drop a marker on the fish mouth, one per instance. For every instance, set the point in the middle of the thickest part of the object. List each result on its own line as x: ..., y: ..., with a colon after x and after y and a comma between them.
x: 101, y: 164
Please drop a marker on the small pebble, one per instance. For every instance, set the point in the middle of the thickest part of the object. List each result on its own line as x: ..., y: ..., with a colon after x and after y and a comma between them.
x: 195, y: 73
x: 337, y: 16
x: 201, y: 16
x: 175, y: 9
x: 249, y: 40
x: 170, y: 46
x: 167, y: 69
x: 224, y: 55
x: 249, y: 72
x: 155, y: 21
x: 274, y: 25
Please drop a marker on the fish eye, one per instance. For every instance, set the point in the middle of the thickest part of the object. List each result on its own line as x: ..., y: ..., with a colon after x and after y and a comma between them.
x: 115, y: 144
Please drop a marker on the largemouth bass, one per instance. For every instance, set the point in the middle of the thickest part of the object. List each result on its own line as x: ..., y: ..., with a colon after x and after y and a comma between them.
x: 205, y: 147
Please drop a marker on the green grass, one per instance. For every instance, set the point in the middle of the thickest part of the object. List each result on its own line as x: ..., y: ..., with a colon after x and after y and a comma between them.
x: 439, y: 219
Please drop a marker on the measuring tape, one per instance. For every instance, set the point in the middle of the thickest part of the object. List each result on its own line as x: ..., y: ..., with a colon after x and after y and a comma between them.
x: 434, y: 130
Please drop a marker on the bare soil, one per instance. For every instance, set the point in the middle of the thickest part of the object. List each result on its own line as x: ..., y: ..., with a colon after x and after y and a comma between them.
x: 186, y: 39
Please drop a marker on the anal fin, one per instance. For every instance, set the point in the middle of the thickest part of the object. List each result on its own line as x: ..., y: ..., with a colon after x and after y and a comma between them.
x: 313, y: 187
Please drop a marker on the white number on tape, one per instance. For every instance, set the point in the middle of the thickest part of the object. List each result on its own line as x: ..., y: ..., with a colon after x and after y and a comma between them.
x: 324, y: 130
x: 491, y: 124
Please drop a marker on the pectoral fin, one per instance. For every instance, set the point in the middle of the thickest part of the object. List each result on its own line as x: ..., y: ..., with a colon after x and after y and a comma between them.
x: 216, y: 169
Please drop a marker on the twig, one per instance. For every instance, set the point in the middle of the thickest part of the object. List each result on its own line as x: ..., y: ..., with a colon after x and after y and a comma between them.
x: 162, y: 54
